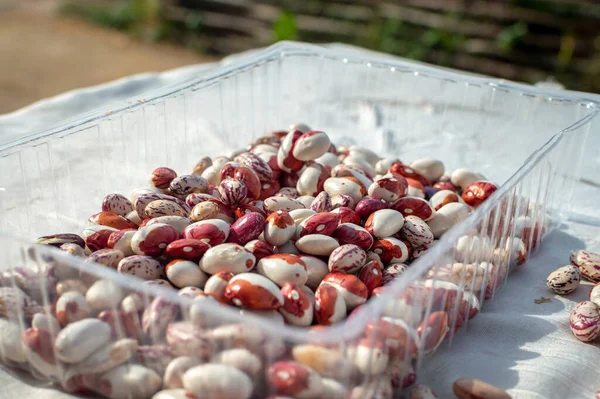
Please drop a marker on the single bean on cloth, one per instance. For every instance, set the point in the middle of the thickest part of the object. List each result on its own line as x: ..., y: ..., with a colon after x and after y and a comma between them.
x: 289, y: 230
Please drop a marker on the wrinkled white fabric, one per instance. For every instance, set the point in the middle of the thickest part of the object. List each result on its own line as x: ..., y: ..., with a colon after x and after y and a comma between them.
x: 523, y: 347
x: 516, y: 344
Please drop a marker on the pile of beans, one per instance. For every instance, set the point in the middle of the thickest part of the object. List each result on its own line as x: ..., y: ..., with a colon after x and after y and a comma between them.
x: 292, y: 229
x: 585, y: 317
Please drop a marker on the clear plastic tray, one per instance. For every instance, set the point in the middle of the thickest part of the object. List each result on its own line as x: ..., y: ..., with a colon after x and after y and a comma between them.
x: 528, y: 140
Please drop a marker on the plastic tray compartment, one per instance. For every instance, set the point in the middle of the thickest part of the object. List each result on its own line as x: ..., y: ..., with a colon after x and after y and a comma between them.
x: 529, y: 141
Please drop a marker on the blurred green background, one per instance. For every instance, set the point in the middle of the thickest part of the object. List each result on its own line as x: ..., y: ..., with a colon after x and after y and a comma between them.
x: 523, y: 40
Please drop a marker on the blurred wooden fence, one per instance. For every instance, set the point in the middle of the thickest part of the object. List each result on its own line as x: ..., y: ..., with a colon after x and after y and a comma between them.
x: 524, y: 40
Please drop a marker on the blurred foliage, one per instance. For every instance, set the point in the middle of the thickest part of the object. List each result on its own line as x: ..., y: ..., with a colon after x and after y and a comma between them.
x: 437, y: 42
x: 138, y: 17
x: 119, y: 16
x: 567, y: 9
x: 285, y: 27
x: 510, y: 36
x: 394, y: 36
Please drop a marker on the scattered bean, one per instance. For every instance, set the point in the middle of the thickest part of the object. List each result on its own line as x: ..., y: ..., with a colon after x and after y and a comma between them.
x: 470, y: 388
x: 588, y: 264
x: 564, y: 280
x: 585, y: 321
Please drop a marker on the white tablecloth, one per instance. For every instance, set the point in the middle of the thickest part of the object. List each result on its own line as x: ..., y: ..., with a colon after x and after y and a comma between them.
x: 523, y: 347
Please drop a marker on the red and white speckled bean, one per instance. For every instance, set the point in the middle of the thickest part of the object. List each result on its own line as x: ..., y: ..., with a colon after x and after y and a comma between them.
x: 416, y: 231
x: 317, y: 244
x: 117, y: 203
x: 152, y: 240
x: 285, y: 158
x: 595, y: 294
x: 348, y: 258
x: 232, y: 192
x: 323, y: 223
x: 442, y: 198
x: 384, y: 223
x: 216, y: 284
x: 257, y: 164
x: 352, y: 289
x: 179, y: 223
x: 227, y: 258
x: 121, y: 240
x: 160, y: 208
x: 211, y: 231
x: 310, y: 145
x: 273, y: 204
x: 184, y: 337
x: 301, y: 214
x: 448, y: 216
x: 371, y: 274
x: 186, y: 248
x: 247, y: 228
x: 393, y: 271
x: 369, y: 356
x: 144, y: 267
x: 279, y: 228
x: 73, y: 343
x: 283, y: 268
x: 330, y: 306
x: 414, y: 206
x: 253, y: 291
x: 400, y: 339
x: 217, y: 381
x: 104, y: 294
x: 157, y: 317
x: 343, y: 200
x: 259, y: 249
x: 588, y: 264
x: 143, y: 200
x: 316, y: 268
x: 431, y: 168
x: 71, y: 307
x: 347, y: 215
x: 297, y: 306
x: 349, y: 233
x: 294, y: 379
x: 478, y: 192
x: 242, y: 359
x: 585, y: 321
x: 389, y: 189
x: 107, y: 257
x: 463, y: 177
x: 322, y: 203
x: 183, y: 273
x: 183, y: 185
x: 392, y: 250
x: 174, y: 372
